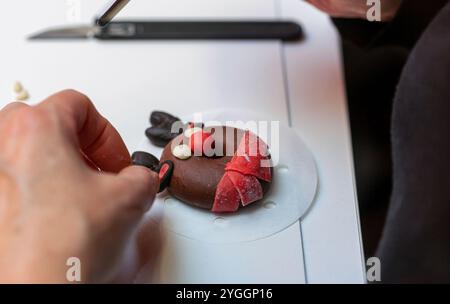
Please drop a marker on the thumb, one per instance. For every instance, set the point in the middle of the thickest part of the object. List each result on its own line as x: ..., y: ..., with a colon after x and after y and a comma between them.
x: 137, y: 187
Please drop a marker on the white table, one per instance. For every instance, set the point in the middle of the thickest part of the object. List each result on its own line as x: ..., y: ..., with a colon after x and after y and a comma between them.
x: 301, y: 84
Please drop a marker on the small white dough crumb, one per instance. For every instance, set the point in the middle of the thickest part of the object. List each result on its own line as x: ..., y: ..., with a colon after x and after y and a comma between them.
x: 191, y: 131
x: 182, y: 152
x: 23, y: 96
x: 18, y: 87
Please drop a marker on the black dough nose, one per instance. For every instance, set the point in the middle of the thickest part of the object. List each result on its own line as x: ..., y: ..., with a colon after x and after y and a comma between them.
x: 146, y: 160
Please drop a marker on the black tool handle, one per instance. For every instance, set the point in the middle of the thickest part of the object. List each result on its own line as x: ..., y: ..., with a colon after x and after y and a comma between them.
x: 239, y: 30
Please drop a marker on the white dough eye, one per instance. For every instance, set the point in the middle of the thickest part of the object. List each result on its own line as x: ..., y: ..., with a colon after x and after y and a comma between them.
x: 17, y: 88
x: 19, y: 92
x: 182, y: 152
x: 188, y: 133
x: 22, y: 96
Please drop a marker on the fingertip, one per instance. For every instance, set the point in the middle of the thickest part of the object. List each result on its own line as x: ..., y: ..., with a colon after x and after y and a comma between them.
x: 141, y: 184
x: 14, y: 105
x: 11, y: 107
x: 138, y: 172
x: 74, y: 94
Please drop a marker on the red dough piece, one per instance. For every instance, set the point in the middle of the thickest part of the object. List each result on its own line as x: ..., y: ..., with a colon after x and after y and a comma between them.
x: 252, y: 145
x: 250, y: 157
x: 248, y: 187
x: 265, y: 173
x: 250, y: 166
x: 244, y: 164
x: 163, y: 171
x: 197, y: 142
x: 227, y: 198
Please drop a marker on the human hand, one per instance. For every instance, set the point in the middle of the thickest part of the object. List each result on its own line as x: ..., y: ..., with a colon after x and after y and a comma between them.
x: 356, y: 8
x: 53, y: 205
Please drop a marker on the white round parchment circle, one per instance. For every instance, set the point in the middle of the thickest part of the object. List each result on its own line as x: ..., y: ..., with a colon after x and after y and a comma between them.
x: 291, y: 194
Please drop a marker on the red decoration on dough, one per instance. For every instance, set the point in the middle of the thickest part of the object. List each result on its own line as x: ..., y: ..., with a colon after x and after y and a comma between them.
x: 240, y: 182
x: 163, y: 171
x: 265, y: 173
x: 248, y: 187
x: 253, y: 146
x: 250, y: 166
x: 197, y: 142
x: 227, y: 198
x: 251, y: 158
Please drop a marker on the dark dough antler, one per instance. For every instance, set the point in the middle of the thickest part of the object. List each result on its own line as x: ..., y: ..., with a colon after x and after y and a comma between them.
x: 160, y: 133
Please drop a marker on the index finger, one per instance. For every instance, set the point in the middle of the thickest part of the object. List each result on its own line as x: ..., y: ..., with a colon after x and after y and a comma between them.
x: 93, y: 134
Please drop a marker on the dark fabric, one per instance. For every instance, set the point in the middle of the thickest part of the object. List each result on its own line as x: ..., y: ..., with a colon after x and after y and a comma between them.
x: 404, y: 30
x: 372, y: 78
x: 416, y: 242
x: 374, y: 57
x: 411, y: 20
x: 358, y: 31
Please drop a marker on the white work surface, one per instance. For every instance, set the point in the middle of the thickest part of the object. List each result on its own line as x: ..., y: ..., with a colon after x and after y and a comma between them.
x: 300, y: 84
